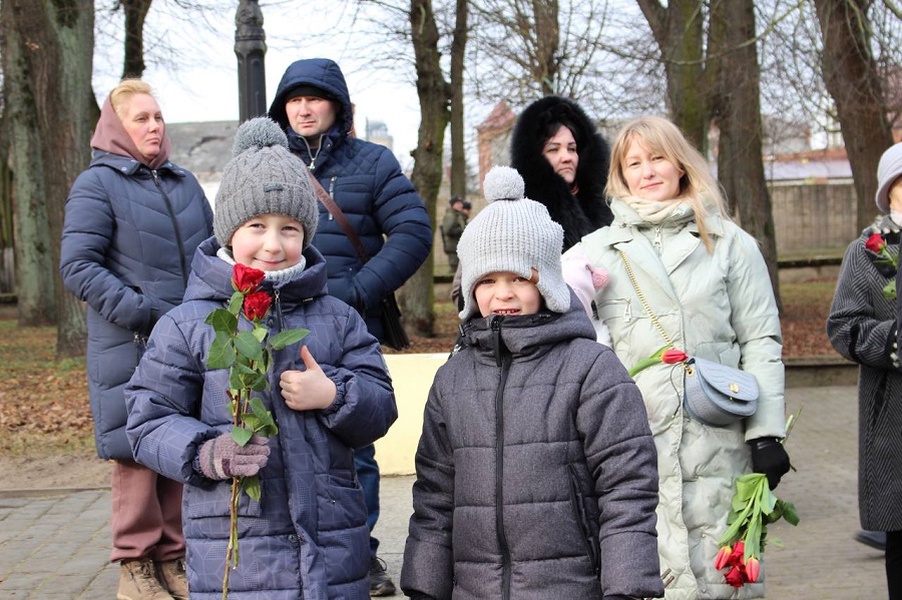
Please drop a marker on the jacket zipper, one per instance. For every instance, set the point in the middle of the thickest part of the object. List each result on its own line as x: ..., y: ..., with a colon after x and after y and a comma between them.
x: 332, y: 193
x: 175, y: 226
x: 277, y: 303
x: 503, y: 360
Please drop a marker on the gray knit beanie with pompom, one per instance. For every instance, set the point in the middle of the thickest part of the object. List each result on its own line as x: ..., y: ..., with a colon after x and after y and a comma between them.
x: 512, y: 234
x: 263, y: 177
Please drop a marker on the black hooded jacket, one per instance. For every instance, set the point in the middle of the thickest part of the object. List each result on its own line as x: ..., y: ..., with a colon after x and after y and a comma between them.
x: 578, y: 214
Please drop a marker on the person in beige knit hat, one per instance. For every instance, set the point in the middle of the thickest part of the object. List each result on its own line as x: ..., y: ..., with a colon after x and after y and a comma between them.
x: 536, y: 465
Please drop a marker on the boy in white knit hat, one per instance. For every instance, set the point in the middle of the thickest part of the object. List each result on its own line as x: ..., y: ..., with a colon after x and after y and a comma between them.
x: 536, y: 469
x: 307, y: 536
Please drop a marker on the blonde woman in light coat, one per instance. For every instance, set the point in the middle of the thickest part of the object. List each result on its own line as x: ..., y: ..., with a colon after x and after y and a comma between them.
x: 707, y: 283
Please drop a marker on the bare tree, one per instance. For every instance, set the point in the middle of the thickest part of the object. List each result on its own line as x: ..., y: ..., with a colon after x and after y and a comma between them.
x: 678, y: 28
x: 854, y: 82
x: 458, y: 59
x: 434, y: 94
x: 48, y: 57
x: 135, y: 14
x: 524, y: 49
x: 733, y: 66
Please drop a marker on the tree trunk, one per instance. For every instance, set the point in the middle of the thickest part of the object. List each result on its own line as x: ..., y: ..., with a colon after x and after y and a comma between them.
x: 458, y: 56
x: 548, y: 41
x: 434, y: 95
x: 678, y: 31
x: 851, y: 77
x: 135, y: 14
x: 733, y: 65
x: 33, y: 255
x: 7, y: 238
x: 55, y: 45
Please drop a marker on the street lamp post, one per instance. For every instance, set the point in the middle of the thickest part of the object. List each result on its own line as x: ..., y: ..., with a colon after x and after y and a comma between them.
x: 250, y: 48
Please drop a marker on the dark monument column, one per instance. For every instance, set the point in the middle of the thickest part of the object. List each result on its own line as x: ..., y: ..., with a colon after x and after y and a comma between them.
x: 250, y: 47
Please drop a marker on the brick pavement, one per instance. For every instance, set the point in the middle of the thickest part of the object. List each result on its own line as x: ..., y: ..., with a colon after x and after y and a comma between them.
x: 54, y: 545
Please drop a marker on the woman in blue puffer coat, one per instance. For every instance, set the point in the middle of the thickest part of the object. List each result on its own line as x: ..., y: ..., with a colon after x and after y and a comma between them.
x: 133, y: 221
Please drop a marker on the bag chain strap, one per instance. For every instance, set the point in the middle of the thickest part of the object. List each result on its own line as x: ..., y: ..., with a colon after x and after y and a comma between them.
x: 654, y: 319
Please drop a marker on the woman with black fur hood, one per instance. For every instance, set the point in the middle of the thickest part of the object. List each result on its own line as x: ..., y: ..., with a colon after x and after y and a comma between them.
x: 564, y: 163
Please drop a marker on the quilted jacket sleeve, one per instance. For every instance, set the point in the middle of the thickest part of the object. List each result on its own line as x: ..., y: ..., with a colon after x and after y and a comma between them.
x: 621, y: 457
x: 365, y: 407
x: 756, y: 321
x: 428, y: 557
x: 163, y: 397
x: 87, y: 236
x: 402, y: 217
x: 853, y: 326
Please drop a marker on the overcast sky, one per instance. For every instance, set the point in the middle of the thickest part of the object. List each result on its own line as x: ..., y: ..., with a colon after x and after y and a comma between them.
x: 204, y: 84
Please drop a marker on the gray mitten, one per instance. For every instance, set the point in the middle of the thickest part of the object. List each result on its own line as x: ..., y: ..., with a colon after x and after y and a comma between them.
x: 221, y: 458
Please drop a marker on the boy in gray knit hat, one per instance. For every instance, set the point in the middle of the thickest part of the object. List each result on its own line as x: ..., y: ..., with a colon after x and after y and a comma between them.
x: 329, y: 394
x: 536, y: 469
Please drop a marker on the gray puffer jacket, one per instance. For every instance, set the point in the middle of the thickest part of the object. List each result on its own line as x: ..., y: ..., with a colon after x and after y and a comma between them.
x: 536, y: 471
x: 127, y: 243
x: 307, y: 538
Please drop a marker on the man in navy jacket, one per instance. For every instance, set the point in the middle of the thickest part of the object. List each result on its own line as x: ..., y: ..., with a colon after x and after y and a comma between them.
x: 364, y: 179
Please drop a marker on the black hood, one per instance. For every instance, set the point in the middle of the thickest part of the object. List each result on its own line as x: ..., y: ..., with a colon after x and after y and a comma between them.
x: 585, y: 212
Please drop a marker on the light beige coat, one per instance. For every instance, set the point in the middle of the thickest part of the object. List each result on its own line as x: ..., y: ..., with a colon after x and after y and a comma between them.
x: 718, y: 306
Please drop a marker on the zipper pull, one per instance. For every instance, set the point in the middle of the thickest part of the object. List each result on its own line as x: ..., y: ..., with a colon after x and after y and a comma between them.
x: 277, y: 302
x: 658, y: 242
x: 628, y: 311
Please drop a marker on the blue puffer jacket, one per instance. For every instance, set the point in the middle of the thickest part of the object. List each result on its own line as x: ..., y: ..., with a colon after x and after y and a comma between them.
x: 366, y: 182
x: 307, y: 538
x: 127, y: 243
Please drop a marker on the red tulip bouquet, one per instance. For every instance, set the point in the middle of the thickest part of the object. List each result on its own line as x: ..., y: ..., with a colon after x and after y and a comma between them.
x: 248, y: 356
x: 754, y: 506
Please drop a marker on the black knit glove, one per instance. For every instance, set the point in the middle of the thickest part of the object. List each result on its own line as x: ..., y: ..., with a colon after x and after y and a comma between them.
x: 769, y: 457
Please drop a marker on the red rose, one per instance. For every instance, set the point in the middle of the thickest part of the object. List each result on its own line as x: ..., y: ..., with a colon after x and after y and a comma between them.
x: 256, y: 304
x: 734, y: 577
x: 672, y: 356
x: 245, y: 279
x: 875, y: 243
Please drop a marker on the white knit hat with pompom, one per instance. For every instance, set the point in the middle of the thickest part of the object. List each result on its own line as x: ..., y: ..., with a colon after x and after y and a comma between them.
x: 512, y: 234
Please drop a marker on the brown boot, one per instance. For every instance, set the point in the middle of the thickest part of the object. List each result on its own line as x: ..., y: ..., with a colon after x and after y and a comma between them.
x: 172, y: 575
x: 138, y: 581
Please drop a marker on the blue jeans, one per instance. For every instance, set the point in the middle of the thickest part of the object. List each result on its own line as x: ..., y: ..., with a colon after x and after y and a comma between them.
x: 368, y: 475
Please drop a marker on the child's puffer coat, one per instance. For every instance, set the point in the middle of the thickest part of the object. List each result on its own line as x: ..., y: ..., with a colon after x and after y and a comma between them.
x: 307, y: 538
x: 536, y: 470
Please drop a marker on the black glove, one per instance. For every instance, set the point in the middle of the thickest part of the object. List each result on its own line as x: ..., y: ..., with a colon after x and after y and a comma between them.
x: 769, y: 457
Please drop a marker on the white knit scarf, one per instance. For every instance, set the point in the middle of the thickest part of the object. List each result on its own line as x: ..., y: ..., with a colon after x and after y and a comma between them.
x: 655, y: 212
x: 277, y: 277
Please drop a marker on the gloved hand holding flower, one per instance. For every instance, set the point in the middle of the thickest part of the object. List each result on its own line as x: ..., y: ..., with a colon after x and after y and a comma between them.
x: 222, y: 458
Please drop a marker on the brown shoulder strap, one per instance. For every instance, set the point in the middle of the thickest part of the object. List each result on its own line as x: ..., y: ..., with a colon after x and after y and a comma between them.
x: 339, y: 217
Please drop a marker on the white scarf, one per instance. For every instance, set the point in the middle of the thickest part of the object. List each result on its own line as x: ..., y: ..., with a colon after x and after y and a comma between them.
x: 655, y: 212
x: 280, y: 276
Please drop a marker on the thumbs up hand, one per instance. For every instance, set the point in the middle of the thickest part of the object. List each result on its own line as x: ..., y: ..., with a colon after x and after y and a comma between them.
x: 309, y: 389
